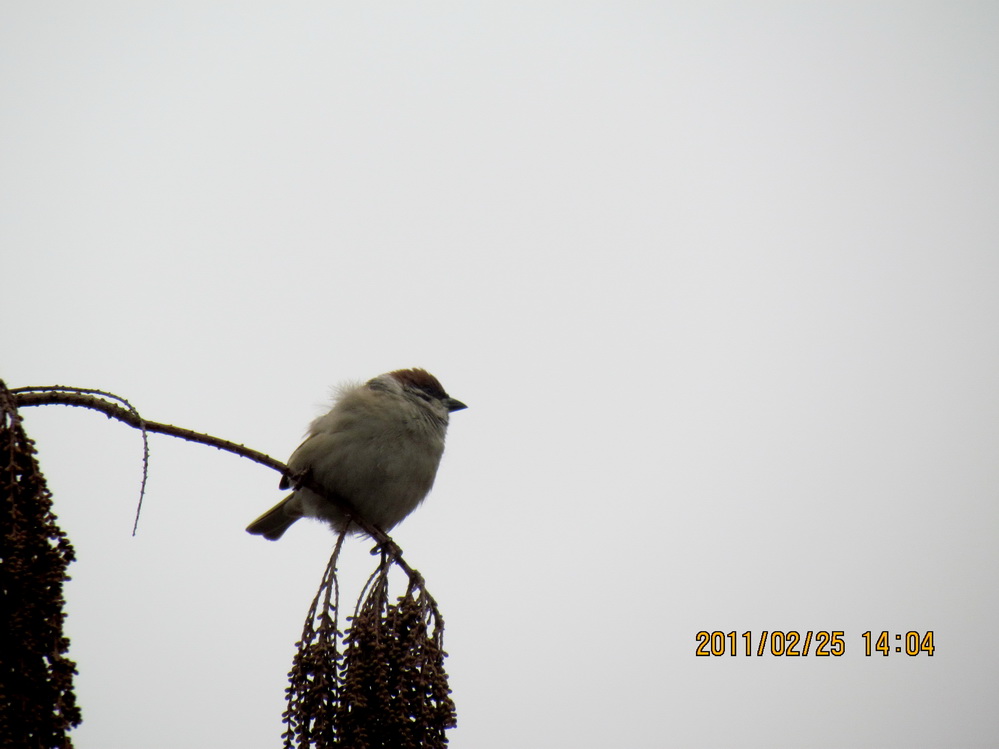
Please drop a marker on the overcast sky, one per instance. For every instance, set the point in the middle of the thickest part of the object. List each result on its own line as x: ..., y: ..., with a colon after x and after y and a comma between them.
x: 718, y: 281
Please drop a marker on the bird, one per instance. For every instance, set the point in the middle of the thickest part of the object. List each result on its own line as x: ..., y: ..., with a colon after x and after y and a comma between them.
x: 378, y: 449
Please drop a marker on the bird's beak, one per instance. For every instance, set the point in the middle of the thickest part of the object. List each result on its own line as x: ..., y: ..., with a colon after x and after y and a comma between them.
x: 453, y: 404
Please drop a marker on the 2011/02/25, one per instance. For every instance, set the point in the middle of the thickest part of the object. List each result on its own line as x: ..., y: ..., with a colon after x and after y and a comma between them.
x: 826, y: 643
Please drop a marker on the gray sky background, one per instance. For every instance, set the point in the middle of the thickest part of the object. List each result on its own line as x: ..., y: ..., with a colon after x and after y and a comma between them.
x: 718, y: 281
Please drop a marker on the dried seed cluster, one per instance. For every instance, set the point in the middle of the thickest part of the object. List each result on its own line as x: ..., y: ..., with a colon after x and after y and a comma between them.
x: 37, y: 704
x: 388, y: 688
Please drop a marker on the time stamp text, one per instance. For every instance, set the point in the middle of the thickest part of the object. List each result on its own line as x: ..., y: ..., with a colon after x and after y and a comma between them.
x: 820, y: 643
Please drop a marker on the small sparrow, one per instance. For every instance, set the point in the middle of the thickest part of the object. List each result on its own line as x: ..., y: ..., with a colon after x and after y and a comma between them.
x: 378, y: 448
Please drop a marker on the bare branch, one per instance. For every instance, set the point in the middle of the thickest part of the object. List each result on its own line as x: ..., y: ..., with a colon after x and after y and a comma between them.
x: 59, y: 395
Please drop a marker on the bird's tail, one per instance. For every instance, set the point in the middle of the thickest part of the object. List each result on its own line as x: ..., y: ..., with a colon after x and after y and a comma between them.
x: 273, y: 523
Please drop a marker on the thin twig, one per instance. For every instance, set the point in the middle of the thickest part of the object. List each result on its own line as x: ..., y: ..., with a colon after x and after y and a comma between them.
x: 141, y: 426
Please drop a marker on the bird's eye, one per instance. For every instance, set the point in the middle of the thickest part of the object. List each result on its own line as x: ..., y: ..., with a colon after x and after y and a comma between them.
x: 425, y: 396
